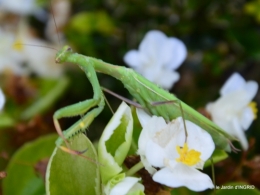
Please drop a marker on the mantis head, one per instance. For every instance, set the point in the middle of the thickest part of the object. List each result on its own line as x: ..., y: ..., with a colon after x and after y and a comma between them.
x: 63, y: 54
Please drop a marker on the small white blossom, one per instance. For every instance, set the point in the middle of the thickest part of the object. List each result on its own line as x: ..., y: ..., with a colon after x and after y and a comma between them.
x: 2, y: 99
x: 163, y: 146
x: 10, y: 59
x: 157, y: 58
x: 24, y: 59
x: 234, y: 111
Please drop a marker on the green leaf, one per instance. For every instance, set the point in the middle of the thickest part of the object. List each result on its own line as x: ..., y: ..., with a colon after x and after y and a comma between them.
x: 115, y: 142
x: 22, y: 176
x: 73, y: 174
x: 236, y: 188
x: 137, y: 128
x: 218, y: 155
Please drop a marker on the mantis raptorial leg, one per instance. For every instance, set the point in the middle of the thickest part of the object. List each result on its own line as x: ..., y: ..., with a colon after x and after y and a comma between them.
x: 81, y: 108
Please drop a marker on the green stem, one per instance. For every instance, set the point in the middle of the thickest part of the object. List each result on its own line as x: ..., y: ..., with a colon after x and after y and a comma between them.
x: 213, y: 174
x: 134, y: 169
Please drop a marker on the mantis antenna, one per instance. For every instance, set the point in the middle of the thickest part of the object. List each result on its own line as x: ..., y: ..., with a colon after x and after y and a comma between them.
x: 44, y: 46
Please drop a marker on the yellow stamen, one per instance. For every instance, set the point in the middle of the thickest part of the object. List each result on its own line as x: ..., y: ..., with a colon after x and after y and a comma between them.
x: 188, y: 157
x: 253, y: 106
x: 18, y: 45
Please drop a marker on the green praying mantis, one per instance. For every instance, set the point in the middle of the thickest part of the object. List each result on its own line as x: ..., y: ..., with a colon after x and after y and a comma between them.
x: 142, y: 90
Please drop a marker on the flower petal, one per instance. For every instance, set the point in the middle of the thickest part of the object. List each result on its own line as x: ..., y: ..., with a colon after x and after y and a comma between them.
x: 228, y: 107
x: 143, y: 117
x: 246, y: 118
x: 132, y: 59
x: 167, y: 78
x: 147, y: 165
x: 240, y: 134
x: 174, y: 53
x: 111, y: 152
x: 235, y: 82
x: 2, y: 99
x: 198, y: 139
x: 151, y: 47
x: 154, y: 125
x: 183, y: 175
x: 251, y: 88
x: 155, y: 154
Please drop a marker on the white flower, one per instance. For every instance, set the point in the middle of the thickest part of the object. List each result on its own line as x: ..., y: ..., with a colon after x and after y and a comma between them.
x: 10, y: 59
x: 24, y: 59
x: 2, y: 99
x: 234, y: 111
x: 157, y: 57
x: 163, y: 146
x: 121, y: 185
x: 21, y: 7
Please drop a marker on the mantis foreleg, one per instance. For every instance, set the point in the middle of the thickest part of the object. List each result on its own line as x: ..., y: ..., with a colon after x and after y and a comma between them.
x: 81, y: 125
x: 81, y: 108
x: 73, y: 110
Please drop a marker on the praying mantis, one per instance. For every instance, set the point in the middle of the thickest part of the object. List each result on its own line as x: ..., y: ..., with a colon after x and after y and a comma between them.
x: 142, y: 90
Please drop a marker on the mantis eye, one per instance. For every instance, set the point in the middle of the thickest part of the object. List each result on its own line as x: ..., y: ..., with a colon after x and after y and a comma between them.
x: 69, y: 49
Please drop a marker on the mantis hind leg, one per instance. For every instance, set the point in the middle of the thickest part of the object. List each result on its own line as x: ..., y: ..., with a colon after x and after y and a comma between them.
x: 152, y: 103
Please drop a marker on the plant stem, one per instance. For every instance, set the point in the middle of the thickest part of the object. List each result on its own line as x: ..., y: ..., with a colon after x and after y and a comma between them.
x: 135, y: 168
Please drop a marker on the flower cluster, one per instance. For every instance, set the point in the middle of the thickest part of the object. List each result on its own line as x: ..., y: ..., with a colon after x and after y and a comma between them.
x: 168, y: 151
